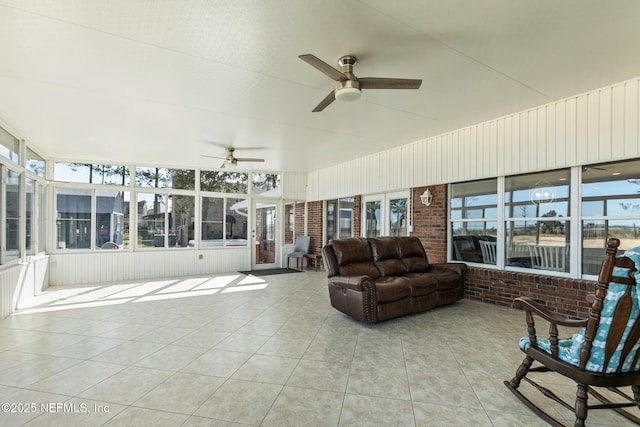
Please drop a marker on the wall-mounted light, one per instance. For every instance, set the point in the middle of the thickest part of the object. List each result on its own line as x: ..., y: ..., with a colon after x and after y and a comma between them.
x: 426, y: 198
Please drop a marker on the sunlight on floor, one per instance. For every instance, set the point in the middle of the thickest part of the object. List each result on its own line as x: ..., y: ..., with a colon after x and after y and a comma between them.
x: 71, y: 298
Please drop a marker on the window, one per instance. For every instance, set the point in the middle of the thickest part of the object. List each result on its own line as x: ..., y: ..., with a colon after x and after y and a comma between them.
x: 179, y: 179
x: 474, y: 221
x: 373, y: 220
x: 35, y: 163
x: 339, y: 218
x: 165, y: 220
x: 182, y: 219
x: 112, y: 219
x: 294, y: 215
x: 398, y: 216
x: 265, y: 185
x: 73, y: 218
x: 151, y: 220
x: 12, y: 221
x: 91, y: 174
x: 224, y: 182
x: 289, y: 222
x: 31, y: 224
x: 9, y: 146
x: 537, y: 220
x: 610, y: 207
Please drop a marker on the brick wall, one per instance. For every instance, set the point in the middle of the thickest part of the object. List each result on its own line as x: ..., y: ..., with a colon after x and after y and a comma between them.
x: 430, y: 222
x: 357, y: 214
x: 314, y: 226
x: 562, y: 295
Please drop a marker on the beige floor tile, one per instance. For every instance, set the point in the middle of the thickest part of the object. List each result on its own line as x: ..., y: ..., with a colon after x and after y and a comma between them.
x: 304, y: 407
x: 242, y: 342
x: 171, y: 357
x: 126, y: 386
x: 364, y: 411
x: 430, y: 415
x: 320, y: 375
x: 257, y: 399
x: 217, y: 363
x: 267, y: 369
x: 140, y: 417
x: 182, y: 392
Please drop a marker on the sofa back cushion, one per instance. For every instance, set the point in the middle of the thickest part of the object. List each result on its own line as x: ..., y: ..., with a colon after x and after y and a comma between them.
x: 413, y: 255
x: 353, y: 257
x: 386, y: 256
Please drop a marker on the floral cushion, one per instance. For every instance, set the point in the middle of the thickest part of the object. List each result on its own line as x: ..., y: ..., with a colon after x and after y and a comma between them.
x: 569, y: 349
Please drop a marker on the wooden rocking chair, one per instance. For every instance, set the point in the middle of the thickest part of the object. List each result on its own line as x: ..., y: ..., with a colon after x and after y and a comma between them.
x: 604, y: 354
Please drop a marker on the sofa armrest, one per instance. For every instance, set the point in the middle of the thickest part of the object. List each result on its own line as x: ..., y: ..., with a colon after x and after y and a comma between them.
x: 356, y: 283
x: 459, y: 267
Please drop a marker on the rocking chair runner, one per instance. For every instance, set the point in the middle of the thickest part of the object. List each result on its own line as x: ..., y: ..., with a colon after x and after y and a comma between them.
x: 603, y: 354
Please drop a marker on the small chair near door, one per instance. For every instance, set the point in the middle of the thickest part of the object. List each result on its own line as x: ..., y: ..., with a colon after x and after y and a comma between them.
x: 602, y: 358
x: 300, y: 251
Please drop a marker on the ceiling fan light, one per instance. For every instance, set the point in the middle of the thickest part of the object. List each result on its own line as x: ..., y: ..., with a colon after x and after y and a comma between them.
x: 348, y: 94
x: 348, y: 90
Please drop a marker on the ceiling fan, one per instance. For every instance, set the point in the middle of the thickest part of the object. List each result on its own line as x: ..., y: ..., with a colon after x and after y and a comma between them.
x: 232, y: 160
x: 348, y: 86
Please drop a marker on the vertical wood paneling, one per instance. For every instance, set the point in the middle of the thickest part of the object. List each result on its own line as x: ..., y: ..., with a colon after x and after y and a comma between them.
x: 492, y: 138
x: 632, y: 119
x: 532, y: 144
x: 541, y: 139
x: 9, y: 282
x: 100, y: 267
x: 617, y: 120
x: 604, y: 125
x: 500, y: 146
x: 516, y: 161
x: 582, y: 129
x: 550, y: 136
x: 509, y: 154
x: 593, y: 126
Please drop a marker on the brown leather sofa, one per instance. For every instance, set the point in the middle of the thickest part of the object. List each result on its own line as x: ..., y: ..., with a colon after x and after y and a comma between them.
x: 379, y: 278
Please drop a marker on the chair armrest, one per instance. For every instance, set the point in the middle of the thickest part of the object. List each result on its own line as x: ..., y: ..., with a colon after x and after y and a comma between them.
x: 459, y: 267
x: 530, y: 305
x: 357, y: 283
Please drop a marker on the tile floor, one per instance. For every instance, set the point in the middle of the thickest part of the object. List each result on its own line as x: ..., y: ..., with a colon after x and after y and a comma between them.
x: 232, y: 350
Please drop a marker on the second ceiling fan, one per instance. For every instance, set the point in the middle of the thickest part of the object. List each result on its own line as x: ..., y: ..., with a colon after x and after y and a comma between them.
x: 348, y: 86
x: 232, y: 160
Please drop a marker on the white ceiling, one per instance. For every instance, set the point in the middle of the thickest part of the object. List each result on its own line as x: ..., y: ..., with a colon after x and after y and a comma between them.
x: 166, y: 82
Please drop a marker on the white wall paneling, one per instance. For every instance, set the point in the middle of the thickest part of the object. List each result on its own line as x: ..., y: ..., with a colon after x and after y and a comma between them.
x: 115, y: 266
x: 598, y: 126
x: 294, y: 185
x: 9, y: 287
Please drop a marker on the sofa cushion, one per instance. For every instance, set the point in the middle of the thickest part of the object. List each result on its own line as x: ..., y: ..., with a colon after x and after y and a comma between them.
x: 447, y: 279
x: 353, y: 257
x: 391, y: 288
x: 386, y: 256
x: 413, y: 255
x: 421, y: 284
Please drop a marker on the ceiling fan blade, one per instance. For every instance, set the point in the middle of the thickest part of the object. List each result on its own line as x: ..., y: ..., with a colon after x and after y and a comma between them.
x: 387, y: 83
x: 213, y: 157
x: 247, y: 159
x: 325, y: 102
x: 327, y: 69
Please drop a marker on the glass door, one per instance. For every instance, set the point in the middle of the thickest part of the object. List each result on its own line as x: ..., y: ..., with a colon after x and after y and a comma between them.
x: 265, y: 234
x: 373, y: 216
x: 385, y: 214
